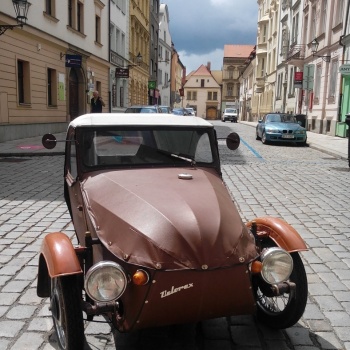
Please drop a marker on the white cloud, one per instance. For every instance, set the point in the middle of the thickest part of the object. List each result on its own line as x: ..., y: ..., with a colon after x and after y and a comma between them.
x: 193, y: 61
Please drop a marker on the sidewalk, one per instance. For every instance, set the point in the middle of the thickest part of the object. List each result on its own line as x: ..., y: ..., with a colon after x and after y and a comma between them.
x: 334, y: 146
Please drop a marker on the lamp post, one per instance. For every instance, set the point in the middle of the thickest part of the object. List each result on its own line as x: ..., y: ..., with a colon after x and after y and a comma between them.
x: 314, y: 48
x: 138, y: 61
x: 21, y: 9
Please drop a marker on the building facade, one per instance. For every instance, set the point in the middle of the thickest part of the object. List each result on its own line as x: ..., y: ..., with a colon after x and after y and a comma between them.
x: 57, y: 61
x: 139, y: 52
x: 119, y: 54
x: 203, y: 93
x: 164, y: 56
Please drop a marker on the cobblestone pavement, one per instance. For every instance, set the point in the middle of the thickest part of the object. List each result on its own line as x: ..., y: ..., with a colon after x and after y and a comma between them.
x: 305, y: 187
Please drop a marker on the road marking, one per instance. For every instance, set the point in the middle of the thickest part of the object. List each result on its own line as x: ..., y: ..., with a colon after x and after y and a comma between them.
x: 252, y: 150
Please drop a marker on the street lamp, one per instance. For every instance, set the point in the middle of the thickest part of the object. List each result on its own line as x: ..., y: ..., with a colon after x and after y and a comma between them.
x: 314, y: 48
x: 138, y: 61
x: 21, y: 9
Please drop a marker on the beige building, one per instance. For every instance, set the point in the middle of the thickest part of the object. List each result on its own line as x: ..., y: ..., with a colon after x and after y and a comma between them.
x: 234, y: 63
x: 177, y: 80
x: 203, y: 93
x: 139, y: 52
x: 50, y: 67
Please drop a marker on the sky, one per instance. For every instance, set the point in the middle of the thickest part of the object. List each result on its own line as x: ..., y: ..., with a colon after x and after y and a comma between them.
x: 199, y: 29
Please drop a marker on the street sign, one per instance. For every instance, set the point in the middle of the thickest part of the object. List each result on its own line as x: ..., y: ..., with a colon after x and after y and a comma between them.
x: 73, y: 61
x: 298, y: 80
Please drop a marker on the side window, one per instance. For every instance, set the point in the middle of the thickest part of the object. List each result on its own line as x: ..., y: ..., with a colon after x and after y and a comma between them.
x: 203, y: 151
x: 72, y: 156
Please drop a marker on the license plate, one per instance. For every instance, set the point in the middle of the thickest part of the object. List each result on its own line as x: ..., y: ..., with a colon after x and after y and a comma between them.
x: 287, y: 136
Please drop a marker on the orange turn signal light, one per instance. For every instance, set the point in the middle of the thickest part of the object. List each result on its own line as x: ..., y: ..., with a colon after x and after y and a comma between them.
x: 140, y: 278
x: 256, y: 267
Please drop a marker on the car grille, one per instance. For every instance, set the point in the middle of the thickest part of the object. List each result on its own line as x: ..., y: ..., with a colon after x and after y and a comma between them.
x: 287, y: 131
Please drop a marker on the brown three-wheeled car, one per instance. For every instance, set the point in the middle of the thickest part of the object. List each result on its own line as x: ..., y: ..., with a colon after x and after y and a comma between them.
x: 160, y: 240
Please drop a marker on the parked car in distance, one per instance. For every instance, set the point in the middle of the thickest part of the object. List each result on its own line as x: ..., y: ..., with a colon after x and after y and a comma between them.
x: 280, y: 127
x: 165, y: 109
x: 191, y: 111
x: 230, y: 114
x: 180, y: 111
x: 158, y: 238
x: 143, y: 109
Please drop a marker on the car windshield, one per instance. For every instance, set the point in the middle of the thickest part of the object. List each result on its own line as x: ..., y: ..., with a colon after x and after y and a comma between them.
x: 145, y: 146
x: 281, y: 118
x: 230, y: 110
x: 141, y: 110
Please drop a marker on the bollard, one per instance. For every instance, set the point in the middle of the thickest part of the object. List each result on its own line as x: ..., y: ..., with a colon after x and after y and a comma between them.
x: 347, y: 121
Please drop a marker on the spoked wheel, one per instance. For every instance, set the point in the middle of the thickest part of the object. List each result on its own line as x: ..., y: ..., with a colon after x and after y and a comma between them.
x: 285, y: 310
x: 67, y: 313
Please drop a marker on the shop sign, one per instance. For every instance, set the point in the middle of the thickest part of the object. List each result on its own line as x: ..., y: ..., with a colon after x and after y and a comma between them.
x: 344, y: 69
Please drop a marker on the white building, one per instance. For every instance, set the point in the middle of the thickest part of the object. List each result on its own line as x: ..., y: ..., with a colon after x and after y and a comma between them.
x: 164, y: 56
x: 119, y: 52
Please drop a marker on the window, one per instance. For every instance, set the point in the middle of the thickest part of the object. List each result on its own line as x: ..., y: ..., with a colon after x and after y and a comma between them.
x: 210, y: 96
x: 338, y: 13
x: 80, y: 17
x: 291, y: 82
x: 295, y: 28
x: 333, y: 79
x: 313, y: 24
x: 97, y: 29
x: 230, y: 90
x: 51, y: 87
x: 192, y: 95
x: 215, y: 96
x: 50, y: 7
x: 23, y: 80
x: 317, y: 83
x: 323, y: 17
x: 202, y: 82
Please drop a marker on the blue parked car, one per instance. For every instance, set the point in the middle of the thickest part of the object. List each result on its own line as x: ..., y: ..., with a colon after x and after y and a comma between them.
x: 280, y: 127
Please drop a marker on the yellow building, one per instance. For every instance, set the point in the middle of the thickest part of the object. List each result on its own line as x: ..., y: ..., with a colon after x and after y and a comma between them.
x: 139, y: 52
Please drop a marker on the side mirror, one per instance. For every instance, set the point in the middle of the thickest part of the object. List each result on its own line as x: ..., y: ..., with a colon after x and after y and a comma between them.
x: 49, y: 141
x: 232, y: 141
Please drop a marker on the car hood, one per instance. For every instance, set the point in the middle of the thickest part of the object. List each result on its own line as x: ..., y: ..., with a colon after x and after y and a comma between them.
x: 154, y: 218
x: 284, y: 126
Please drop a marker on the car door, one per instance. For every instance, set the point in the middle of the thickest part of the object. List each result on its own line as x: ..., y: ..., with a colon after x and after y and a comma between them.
x: 261, y: 126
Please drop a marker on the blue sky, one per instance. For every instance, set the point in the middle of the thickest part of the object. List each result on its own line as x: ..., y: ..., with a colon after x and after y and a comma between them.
x: 201, y: 28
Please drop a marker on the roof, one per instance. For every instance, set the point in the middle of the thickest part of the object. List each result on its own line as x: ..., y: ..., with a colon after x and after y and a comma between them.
x: 217, y: 75
x: 238, y: 50
x: 134, y: 119
x: 202, y: 70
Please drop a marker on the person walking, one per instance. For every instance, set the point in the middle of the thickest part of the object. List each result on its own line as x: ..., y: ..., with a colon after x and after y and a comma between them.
x: 96, y: 103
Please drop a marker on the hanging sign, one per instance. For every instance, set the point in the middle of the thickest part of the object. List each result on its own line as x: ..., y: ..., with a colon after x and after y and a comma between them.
x: 73, y: 61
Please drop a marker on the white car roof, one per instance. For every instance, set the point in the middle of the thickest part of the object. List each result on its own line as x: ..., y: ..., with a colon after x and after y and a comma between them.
x: 134, y: 119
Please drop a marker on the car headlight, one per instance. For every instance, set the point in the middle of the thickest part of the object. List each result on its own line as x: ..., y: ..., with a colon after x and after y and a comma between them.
x: 270, y: 130
x: 105, y: 281
x: 302, y: 132
x: 277, y: 265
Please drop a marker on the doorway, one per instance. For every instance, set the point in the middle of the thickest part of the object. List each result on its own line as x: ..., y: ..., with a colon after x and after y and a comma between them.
x: 76, y: 93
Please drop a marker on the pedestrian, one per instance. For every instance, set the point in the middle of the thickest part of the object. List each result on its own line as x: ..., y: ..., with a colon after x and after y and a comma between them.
x: 96, y: 103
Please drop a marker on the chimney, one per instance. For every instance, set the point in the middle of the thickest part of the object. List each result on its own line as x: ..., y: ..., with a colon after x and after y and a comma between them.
x: 209, y: 66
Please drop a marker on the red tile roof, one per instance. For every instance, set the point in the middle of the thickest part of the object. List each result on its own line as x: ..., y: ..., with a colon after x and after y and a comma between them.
x: 238, y: 50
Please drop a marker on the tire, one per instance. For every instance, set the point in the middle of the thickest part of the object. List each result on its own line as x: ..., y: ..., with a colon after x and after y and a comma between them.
x: 285, y: 310
x: 67, y: 312
x: 263, y: 138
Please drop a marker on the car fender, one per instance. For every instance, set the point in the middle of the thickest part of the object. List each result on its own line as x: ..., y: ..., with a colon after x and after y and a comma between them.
x: 57, y: 258
x: 283, y: 234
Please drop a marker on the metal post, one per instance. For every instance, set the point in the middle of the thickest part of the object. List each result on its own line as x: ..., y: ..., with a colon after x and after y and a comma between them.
x: 347, y: 121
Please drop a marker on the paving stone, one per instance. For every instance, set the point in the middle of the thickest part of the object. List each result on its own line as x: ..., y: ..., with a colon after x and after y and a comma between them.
x: 28, y: 341
x: 10, y: 329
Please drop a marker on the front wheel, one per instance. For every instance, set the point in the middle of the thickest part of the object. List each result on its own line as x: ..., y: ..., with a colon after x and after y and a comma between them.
x: 285, y: 310
x: 263, y: 138
x: 67, y: 312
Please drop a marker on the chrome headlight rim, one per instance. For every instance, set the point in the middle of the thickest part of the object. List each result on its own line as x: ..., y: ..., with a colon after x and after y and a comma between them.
x: 277, y: 265
x: 99, y: 268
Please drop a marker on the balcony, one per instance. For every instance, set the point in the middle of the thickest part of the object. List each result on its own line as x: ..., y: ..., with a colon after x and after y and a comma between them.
x: 296, y: 54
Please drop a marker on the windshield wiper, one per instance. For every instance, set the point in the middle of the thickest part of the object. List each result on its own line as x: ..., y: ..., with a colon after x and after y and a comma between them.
x: 174, y: 155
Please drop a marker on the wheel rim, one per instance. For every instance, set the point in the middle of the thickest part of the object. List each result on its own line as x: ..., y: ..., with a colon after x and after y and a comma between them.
x: 263, y: 138
x: 57, y: 310
x: 273, y: 305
